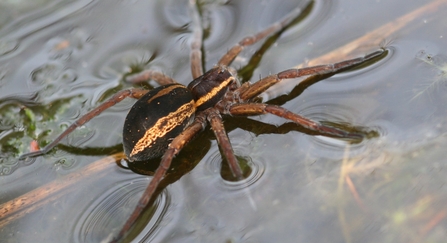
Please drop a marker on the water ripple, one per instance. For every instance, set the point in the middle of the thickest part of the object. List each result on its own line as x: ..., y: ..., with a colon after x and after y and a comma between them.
x: 63, y: 47
x: 54, y: 78
x: 106, y: 215
x: 38, y: 19
x: 213, y: 168
x: 320, y: 108
x: 7, y: 46
x: 121, y: 62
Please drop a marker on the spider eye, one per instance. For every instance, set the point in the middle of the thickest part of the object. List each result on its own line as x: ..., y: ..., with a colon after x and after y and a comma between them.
x: 210, y: 88
x: 155, y: 119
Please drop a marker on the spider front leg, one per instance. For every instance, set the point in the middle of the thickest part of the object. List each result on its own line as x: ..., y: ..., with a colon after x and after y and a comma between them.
x: 216, y: 123
x: 267, y: 82
x: 196, y: 43
x: 118, y: 97
x: 252, y: 109
x: 146, y: 75
x: 250, y: 40
x: 195, y: 54
x: 173, y: 149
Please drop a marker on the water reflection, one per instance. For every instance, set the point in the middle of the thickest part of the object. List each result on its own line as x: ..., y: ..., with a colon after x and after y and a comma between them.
x: 223, y: 180
x: 7, y: 46
x: 98, y: 220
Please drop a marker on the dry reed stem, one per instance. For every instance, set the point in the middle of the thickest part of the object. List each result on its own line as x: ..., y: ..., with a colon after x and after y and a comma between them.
x: 375, y: 38
x: 30, y: 201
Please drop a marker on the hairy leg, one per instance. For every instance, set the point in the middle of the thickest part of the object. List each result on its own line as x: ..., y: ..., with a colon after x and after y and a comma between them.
x: 118, y: 97
x: 252, y: 109
x: 147, y: 75
x: 216, y: 123
x: 174, y: 148
x: 250, y: 40
x: 196, y: 44
x: 265, y: 83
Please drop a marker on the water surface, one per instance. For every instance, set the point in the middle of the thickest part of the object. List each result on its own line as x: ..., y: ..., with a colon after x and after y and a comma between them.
x: 60, y: 59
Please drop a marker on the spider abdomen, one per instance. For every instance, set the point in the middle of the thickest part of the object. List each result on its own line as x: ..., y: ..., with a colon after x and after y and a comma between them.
x: 155, y: 119
x: 210, y: 88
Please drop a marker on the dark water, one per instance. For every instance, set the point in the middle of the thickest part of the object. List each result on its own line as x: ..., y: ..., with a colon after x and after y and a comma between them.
x: 59, y: 59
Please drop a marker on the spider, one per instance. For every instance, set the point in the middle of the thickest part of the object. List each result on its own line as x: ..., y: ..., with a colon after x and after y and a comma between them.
x: 164, y: 119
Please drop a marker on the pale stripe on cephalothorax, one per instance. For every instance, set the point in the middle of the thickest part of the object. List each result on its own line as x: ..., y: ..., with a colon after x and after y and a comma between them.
x: 213, y: 92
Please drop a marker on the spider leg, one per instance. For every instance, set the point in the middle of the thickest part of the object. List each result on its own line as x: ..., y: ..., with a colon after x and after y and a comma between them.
x: 134, y: 93
x: 195, y: 55
x: 251, y: 109
x: 146, y: 75
x: 216, y: 123
x: 196, y: 44
x: 174, y: 148
x: 250, y: 40
x: 265, y: 83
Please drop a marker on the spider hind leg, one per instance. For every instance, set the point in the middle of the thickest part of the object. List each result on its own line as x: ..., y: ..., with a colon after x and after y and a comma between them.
x: 252, y: 109
x: 118, y: 97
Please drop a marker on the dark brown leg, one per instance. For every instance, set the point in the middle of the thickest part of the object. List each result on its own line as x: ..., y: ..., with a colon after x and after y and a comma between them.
x: 250, y: 40
x: 174, y: 148
x: 196, y: 44
x: 134, y: 93
x: 146, y: 75
x: 195, y: 55
x: 265, y: 83
x: 251, y: 109
x: 222, y: 139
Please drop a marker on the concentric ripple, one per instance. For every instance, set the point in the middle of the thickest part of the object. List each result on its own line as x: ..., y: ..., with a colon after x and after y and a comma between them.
x: 339, y: 116
x: 107, y: 214
x: 118, y: 63
x: 214, y: 167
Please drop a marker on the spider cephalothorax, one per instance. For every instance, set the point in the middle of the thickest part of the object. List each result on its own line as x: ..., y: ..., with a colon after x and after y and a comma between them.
x: 166, y: 118
x: 211, y: 87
